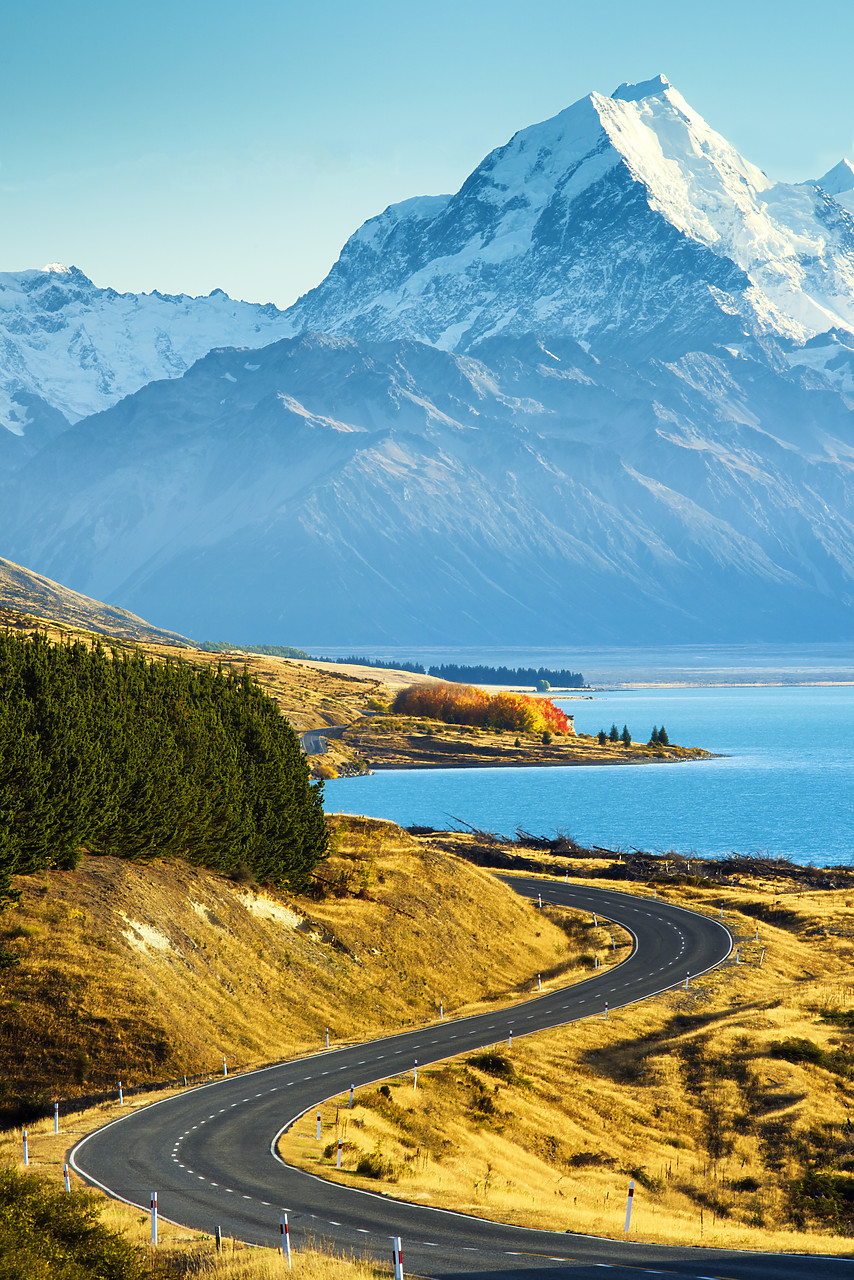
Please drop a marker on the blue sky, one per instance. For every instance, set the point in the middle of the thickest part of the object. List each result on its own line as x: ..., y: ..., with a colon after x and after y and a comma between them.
x: 194, y: 144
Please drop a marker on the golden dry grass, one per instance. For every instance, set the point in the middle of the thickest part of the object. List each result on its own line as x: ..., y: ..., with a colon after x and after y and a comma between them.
x: 683, y: 1093
x: 145, y: 972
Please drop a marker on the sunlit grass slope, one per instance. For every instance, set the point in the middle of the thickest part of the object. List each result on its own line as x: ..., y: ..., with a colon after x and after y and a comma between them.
x: 728, y: 1104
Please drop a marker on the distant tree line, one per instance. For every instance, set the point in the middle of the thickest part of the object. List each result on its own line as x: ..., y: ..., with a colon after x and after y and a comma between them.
x: 383, y: 664
x: 270, y: 650
x: 508, y: 675
x: 114, y: 754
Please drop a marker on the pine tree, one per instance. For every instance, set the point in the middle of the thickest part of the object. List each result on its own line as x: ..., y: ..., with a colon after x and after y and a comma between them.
x: 626, y: 737
x: 614, y: 735
x: 662, y: 737
x: 653, y: 737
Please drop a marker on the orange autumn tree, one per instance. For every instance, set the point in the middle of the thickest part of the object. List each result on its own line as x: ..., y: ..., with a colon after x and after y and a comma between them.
x: 464, y: 704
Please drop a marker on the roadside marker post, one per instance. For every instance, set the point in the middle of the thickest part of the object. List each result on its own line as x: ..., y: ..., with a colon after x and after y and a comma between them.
x: 56, y: 1117
x: 441, y: 1010
x: 762, y: 957
x: 121, y: 1095
x: 687, y: 976
x: 655, y: 893
x: 606, y: 1010
x: 219, y: 1238
x: 510, y: 1040
x: 340, y: 1149
x: 737, y: 957
x: 154, y: 1217
x: 613, y: 943
x: 286, y: 1239
x: 327, y: 1037
x: 539, y: 982
x: 539, y: 899
x: 595, y: 921
x: 397, y: 1258
x: 350, y: 1104
x: 224, y: 1067
x: 756, y: 938
x: 415, y: 1075
x: 26, y: 1149
x: 629, y: 1206
x: 318, y: 1126
x: 67, y: 1178
x: 722, y: 911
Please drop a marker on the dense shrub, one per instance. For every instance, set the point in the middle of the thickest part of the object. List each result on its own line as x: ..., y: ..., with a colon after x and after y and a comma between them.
x: 45, y: 1232
x: 466, y: 705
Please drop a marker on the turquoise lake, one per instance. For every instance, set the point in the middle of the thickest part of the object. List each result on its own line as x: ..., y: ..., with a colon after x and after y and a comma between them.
x: 783, y: 787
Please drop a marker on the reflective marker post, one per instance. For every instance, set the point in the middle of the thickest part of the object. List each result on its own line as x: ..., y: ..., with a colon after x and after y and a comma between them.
x: 350, y: 1104
x: 56, y: 1117
x: 26, y: 1149
x: 67, y: 1178
x: 154, y: 1217
x: 629, y: 1205
x: 397, y: 1258
x: 318, y: 1126
x: 286, y: 1238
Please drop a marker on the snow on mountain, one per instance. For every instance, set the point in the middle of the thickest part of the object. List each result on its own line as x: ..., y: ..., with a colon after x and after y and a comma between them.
x: 525, y: 492
x: 621, y: 220
x: 78, y: 349
x: 839, y: 183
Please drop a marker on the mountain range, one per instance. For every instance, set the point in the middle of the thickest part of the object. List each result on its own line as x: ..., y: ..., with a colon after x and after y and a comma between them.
x: 606, y: 390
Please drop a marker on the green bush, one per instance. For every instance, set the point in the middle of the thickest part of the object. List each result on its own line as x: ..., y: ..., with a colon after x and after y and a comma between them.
x: 47, y: 1234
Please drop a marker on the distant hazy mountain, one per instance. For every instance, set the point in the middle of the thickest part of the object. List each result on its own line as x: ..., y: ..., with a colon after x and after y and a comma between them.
x: 67, y: 345
x: 605, y: 393
x: 525, y: 492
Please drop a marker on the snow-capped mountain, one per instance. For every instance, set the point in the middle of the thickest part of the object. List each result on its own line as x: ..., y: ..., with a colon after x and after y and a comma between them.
x: 525, y: 492
x: 839, y: 183
x: 67, y: 345
x: 604, y: 391
x: 626, y: 223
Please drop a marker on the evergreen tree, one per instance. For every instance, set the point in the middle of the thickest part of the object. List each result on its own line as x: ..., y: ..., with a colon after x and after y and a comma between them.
x: 603, y: 737
x: 614, y: 735
x: 626, y: 737
x: 653, y: 737
x: 662, y: 737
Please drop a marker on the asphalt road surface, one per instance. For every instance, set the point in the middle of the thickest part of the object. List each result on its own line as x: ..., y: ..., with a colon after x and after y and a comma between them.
x: 210, y: 1152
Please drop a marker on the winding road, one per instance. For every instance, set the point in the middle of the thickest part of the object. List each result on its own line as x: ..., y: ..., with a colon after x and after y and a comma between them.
x: 210, y: 1152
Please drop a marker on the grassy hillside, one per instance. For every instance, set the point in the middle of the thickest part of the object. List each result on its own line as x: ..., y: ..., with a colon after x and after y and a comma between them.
x: 145, y: 972
x: 731, y: 1105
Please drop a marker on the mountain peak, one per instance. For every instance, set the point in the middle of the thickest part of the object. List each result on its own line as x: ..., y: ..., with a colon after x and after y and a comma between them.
x: 643, y: 89
x: 838, y: 179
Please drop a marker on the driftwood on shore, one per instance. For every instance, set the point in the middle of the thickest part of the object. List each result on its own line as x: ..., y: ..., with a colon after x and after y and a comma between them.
x: 561, y: 855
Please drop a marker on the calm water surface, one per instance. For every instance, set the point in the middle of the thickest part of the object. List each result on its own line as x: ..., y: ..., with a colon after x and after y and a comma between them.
x: 784, y: 788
